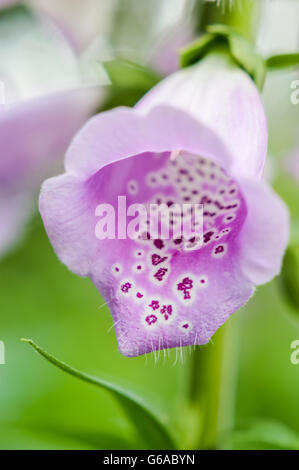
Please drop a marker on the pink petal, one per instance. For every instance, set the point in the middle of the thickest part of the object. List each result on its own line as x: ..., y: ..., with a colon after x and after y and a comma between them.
x: 224, y: 98
x: 265, y: 232
x: 122, y: 132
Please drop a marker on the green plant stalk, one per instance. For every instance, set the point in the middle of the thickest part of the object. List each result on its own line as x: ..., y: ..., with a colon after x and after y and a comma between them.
x: 239, y: 14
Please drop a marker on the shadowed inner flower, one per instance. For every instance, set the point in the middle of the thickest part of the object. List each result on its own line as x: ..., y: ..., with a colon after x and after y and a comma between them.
x: 173, y: 285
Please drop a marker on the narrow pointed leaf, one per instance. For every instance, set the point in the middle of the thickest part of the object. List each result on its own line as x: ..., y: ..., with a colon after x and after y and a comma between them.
x: 193, y: 52
x: 282, y: 61
x: 242, y: 50
x: 147, y: 423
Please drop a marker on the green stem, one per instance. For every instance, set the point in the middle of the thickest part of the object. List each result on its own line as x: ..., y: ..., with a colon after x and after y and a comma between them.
x: 214, y: 370
x: 219, y: 385
x: 239, y: 14
x: 213, y: 388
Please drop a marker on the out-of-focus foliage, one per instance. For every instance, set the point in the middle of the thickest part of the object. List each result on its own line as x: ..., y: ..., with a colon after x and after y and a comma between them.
x: 147, y: 423
x: 263, y: 435
x: 129, y: 82
x: 41, y: 408
x: 290, y: 275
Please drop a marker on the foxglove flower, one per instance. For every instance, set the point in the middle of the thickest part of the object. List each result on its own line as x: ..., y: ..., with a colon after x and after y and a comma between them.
x: 44, y: 102
x: 200, y: 136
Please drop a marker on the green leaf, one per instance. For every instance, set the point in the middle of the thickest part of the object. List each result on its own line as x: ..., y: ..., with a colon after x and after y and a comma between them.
x: 242, y: 50
x: 147, y: 423
x: 196, y: 50
x: 129, y: 82
x: 239, y: 47
x: 282, y: 61
x: 263, y: 435
x: 290, y: 275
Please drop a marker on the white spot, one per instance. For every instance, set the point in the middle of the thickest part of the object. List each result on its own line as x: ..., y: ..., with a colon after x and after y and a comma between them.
x: 167, y: 311
x: 185, y: 326
x: 116, y: 269
x: 139, y: 267
x: 138, y: 295
x: 232, y: 190
x: 152, y: 180
x: 132, y: 187
x: 164, y: 178
x: 150, y: 319
x: 139, y: 253
x: 219, y: 250
x: 226, y: 231
x: 160, y: 274
x: 185, y: 296
x: 203, y: 282
x: 126, y: 287
x: 227, y: 219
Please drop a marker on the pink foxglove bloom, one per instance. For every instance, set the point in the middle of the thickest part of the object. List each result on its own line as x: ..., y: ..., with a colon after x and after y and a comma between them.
x: 199, y: 136
x: 44, y: 101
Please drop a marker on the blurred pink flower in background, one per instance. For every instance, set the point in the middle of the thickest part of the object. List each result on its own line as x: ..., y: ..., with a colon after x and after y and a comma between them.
x: 292, y: 164
x: 46, y: 99
x: 81, y: 21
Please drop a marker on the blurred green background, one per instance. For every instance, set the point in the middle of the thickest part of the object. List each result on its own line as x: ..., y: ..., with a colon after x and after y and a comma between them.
x: 41, y: 407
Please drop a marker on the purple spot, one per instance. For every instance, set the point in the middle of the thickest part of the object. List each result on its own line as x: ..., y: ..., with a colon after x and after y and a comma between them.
x: 166, y: 310
x: 160, y: 274
x: 207, y: 236
x: 159, y: 244
x: 139, y: 295
x: 151, y: 319
x: 154, y: 304
x: 185, y: 286
x: 157, y: 259
x: 126, y: 287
